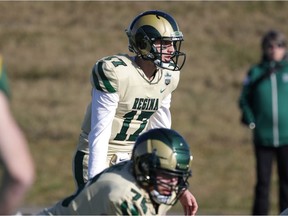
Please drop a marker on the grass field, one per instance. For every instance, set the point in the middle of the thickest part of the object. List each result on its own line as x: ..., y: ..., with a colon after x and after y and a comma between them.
x: 50, y: 47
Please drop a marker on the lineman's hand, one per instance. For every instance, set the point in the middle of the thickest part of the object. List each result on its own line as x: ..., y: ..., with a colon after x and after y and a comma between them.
x: 189, y: 203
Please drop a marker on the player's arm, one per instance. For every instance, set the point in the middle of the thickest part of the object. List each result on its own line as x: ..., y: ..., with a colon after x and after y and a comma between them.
x: 162, y: 117
x: 102, y: 113
x: 247, y: 117
x: 189, y: 203
x: 18, y: 173
x: 104, y: 103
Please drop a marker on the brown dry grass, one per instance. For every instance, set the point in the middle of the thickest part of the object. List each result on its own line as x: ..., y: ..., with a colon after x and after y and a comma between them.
x: 50, y: 47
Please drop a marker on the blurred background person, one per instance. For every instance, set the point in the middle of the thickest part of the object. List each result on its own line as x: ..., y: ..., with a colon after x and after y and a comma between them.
x: 264, y: 106
x: 17, y: 164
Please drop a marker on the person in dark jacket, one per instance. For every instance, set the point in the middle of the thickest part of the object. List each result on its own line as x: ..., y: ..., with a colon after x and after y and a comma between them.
x: 264, y: 106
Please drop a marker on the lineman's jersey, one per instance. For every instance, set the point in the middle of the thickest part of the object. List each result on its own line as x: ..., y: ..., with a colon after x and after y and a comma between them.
x: 124, y: 100
x: 112, y: 192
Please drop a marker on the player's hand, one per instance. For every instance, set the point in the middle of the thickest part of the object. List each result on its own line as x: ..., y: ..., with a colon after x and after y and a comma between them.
x: 189, y: 203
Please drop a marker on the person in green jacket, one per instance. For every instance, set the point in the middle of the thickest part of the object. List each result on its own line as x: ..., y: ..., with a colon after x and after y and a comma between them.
x: 264, y: 105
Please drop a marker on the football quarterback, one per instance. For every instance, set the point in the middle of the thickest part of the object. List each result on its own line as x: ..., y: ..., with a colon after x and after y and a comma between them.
x: 130, y: 94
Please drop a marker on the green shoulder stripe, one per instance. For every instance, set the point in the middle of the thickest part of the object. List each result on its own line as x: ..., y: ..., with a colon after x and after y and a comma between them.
x: 106, y: 85
x: 96, y: 80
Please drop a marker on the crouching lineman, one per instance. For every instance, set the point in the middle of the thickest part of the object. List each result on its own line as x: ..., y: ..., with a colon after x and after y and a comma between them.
x: 148, y: 184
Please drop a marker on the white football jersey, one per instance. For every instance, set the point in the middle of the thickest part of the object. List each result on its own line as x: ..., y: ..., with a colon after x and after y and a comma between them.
x: 139, y: 101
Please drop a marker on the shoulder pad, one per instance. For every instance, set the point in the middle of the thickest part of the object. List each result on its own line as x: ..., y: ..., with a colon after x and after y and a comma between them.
x: 103, y: 77
x: 106, y: 72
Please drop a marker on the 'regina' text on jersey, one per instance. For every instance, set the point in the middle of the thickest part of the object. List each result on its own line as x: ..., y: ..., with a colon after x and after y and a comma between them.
x: 146, y: 104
